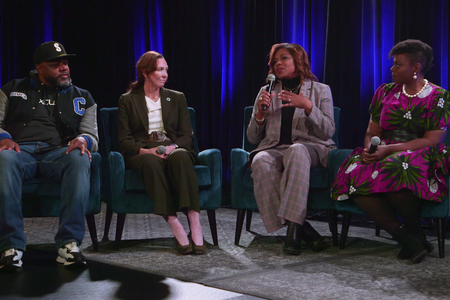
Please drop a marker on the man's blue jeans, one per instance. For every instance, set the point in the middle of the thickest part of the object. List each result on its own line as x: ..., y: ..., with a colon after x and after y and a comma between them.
x: 71, y: 170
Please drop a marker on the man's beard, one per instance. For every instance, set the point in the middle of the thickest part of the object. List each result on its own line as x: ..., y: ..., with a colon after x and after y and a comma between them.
x: 59, y: 83
x: 63, y: 83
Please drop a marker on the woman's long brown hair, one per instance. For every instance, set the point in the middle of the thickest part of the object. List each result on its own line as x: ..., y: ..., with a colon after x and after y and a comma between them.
x: 302, y: 65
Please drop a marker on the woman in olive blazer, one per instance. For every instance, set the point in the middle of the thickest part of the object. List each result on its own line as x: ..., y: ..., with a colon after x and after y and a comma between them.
x: 149, y: 117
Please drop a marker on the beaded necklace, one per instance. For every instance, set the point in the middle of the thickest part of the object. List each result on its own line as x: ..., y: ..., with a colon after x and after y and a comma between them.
x: 416, y: 94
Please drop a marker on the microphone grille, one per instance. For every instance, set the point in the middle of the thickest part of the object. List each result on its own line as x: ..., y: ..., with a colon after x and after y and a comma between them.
x: 375, y: 141
x: 271, y: 77
x: 161, y: 150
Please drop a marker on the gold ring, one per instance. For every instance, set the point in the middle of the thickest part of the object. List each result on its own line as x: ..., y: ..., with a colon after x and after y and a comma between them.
x: 260, y: 98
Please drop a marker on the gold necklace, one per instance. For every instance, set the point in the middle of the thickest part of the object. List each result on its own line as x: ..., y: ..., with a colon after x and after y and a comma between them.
x: 154, y: 99
x: 294, y: 90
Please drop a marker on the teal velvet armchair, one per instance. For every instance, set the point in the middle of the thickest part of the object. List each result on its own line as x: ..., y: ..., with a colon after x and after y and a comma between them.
x: 41, y: 198
x: 124, y: 192
x: 243, y: 199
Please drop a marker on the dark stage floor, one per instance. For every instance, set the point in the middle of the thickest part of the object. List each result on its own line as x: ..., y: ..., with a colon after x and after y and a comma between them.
x: 147, y: 266
x: 42, y: 278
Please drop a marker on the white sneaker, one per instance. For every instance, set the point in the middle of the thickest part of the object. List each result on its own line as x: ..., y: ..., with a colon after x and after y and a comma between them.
x: 70, y: 254
x: 11, y: 260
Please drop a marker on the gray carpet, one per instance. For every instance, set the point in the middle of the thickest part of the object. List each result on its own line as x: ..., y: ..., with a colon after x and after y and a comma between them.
x: 366, y: 269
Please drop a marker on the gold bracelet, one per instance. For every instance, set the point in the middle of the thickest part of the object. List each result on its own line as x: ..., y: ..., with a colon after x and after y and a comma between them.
x: 258, y: 120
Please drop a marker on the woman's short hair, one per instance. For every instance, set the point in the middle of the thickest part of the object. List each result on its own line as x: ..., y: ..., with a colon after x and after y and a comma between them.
x: 301, y: 61
x: 146, y: 64
x: 416, y: 51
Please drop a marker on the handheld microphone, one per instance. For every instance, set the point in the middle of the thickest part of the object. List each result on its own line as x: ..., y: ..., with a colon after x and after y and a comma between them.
x: 374, y: 142
x: 270, y: 79
x: 161, y: 150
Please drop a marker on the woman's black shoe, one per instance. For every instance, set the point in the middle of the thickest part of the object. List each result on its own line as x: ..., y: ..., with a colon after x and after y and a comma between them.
x: 405, y: 254
x: 292, y: 244
x: 313, y: 239
x: 413, y: 246
x: 417, y: 230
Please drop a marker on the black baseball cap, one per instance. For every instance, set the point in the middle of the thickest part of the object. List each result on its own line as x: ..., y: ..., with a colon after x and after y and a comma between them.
x: 48, y: 51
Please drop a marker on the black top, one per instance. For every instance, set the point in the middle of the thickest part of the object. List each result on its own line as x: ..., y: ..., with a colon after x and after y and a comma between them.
x: 287, y: 113
x: 43, y: 126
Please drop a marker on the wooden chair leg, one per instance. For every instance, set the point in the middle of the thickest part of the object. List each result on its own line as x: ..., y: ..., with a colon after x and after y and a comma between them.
x: 213, y: 225
x: 332, y: 223
x: 239, y: 224
x: 377, y: 230
x: 345, y: 227
x: 249, y: 219
x: 108, y: 219
x: 90, y: 219
x: 119, y: 229
x: 441, y: 236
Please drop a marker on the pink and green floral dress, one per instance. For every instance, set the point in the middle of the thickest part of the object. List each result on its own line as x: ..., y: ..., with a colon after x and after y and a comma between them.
x: 402, y: 119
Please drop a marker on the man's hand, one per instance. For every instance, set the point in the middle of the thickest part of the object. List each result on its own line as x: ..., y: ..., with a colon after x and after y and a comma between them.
x: 8, y: 144
x: 80, y: 143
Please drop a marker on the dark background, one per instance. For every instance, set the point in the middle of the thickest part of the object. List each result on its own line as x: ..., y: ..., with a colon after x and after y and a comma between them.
x: 217, y: 51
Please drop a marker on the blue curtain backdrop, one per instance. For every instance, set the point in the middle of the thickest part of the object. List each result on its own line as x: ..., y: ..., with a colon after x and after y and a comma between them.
x: 217, y: 50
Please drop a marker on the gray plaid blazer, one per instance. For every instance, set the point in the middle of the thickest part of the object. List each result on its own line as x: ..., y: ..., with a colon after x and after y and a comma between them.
x: 315, y: 129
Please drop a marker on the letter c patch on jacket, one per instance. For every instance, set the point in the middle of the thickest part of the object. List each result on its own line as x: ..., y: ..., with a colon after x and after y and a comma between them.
x: 77, y: 103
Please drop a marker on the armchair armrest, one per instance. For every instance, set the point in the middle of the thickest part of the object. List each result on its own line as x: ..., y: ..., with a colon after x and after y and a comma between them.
x: 335, y: 159
x: 116, y: 177
x: 239, y: 158
x: 95, y: 206
x: 212, y: 158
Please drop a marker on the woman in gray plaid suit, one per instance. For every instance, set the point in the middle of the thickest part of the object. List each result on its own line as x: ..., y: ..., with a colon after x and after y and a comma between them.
x: 292, y: 127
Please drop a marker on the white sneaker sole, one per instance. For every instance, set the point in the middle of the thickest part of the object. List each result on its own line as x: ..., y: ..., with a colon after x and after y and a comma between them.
x: 64, y: 261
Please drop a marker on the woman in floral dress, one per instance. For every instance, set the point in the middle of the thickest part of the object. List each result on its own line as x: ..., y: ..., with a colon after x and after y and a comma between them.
x: 411, y: 116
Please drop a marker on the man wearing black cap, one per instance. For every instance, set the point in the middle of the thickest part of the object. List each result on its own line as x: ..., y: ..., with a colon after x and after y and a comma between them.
x: 48, y: 127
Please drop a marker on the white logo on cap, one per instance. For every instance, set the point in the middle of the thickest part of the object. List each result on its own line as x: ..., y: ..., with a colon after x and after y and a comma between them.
x: 56, y: 45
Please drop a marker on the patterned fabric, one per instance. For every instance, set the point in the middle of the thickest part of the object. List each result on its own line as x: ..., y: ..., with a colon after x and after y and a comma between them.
x: 421, y: 171
x: 281, y: 183
x: 315, y: 130
x: 281, y: 173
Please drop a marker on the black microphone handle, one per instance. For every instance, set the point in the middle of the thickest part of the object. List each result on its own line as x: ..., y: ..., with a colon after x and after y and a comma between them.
x: 264, y: 107
x: 372, y: 149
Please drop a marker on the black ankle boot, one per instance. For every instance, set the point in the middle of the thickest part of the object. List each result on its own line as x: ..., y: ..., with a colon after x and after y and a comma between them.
x: 417, y: 230
x: 292, y: 244
x: 312, y: 238
x: 413, y: 246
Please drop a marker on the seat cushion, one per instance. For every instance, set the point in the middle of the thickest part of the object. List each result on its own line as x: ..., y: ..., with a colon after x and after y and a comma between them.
x: 41, y: 196
x: 133, y: 182
x: 41, y: 187
x: 248, y: 180
x: 318, y: 178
